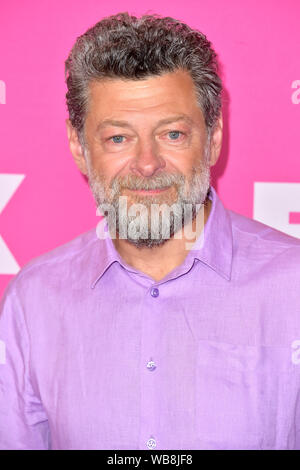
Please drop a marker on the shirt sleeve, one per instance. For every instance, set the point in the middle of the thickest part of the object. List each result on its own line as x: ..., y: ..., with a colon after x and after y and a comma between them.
x: 23, y: 421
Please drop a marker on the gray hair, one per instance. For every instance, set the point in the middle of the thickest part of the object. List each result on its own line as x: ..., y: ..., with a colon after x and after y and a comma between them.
x: 127, y: 47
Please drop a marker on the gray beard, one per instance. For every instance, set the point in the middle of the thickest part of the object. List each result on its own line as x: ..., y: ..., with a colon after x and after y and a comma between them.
x: 146, y: 230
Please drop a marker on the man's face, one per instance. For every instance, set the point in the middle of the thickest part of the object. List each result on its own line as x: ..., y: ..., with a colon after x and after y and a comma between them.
x: 147, y: 140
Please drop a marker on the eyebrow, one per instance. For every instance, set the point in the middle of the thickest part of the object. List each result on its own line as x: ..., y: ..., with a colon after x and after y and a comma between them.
x: 118, y: 123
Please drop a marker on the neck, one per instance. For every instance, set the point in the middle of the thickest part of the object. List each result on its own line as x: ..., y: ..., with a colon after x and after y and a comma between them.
x: 158, y: 261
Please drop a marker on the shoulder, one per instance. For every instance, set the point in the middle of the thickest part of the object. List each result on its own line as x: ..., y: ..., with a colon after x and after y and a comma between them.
x: 57, y: 264
x: 257, y: 240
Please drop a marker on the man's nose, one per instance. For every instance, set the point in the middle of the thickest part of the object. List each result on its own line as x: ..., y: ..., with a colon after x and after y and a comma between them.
x: 147, y: 160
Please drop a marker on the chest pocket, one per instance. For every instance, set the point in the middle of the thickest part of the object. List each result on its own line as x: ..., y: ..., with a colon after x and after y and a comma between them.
x: 244, y: 396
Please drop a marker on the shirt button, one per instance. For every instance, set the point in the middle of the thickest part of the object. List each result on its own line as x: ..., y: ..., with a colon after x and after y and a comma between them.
x: 151, y: 443
x: 151, y: 365
x: 154, y: 292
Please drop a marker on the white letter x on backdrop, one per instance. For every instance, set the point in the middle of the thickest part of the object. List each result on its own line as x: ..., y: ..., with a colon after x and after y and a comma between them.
x: 8, y: 186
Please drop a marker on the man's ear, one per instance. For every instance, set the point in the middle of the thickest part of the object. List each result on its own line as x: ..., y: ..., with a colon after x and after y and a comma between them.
x: 76, y: 148
x: 216, y: 141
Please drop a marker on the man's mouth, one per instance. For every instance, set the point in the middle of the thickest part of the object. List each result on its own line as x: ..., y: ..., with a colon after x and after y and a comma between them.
x: 149, y: 192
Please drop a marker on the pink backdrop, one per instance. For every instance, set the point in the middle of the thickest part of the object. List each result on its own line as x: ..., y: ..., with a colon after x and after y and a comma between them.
x: 44, y: 200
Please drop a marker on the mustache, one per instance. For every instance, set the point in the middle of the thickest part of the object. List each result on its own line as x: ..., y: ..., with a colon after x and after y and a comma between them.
x: 162, y: 180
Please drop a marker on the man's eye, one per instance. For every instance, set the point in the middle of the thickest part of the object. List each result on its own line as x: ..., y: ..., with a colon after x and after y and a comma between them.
x: 174, y: 135
x: 117, y: 139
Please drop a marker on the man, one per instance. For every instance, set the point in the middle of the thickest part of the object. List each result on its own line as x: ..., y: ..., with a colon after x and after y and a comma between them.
x: 169, y: 329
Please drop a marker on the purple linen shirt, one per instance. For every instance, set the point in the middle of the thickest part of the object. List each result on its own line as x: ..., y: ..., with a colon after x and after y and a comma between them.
x: 95, y: 354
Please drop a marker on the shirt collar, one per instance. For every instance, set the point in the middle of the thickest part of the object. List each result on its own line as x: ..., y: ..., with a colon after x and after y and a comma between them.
x: 216, y: 241
x: 213, y: 248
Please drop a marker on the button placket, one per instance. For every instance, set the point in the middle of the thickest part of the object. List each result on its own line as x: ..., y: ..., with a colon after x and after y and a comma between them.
x: 151, y: 320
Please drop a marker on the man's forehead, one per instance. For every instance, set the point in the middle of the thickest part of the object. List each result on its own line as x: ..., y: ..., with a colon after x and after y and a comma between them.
x: 169, y: 98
